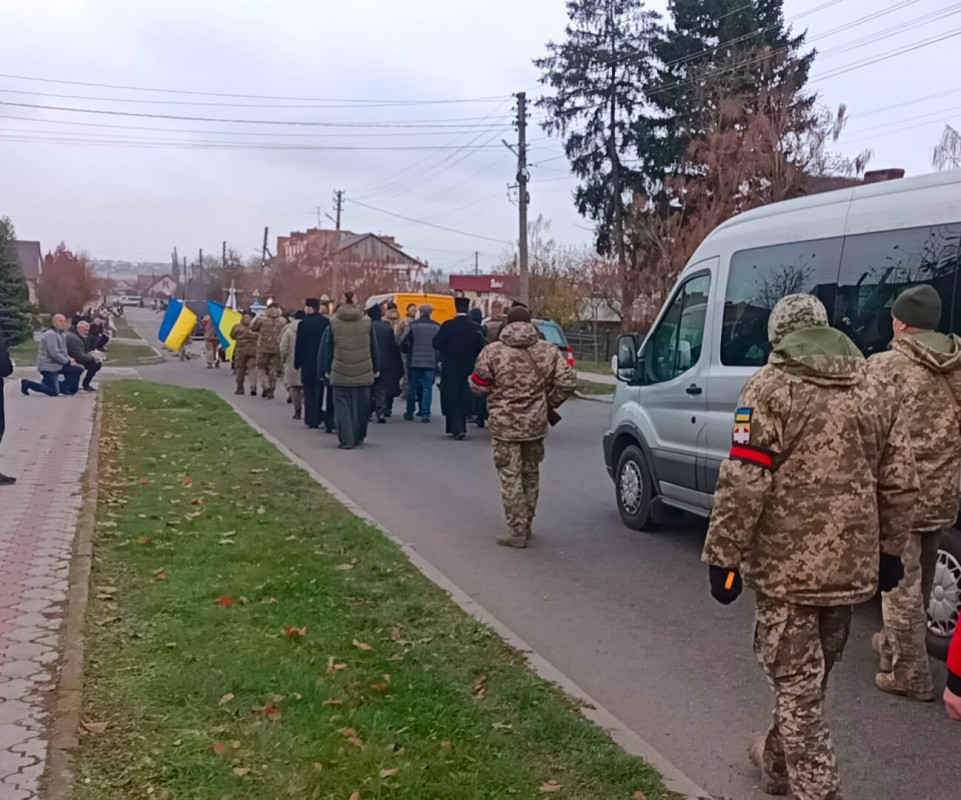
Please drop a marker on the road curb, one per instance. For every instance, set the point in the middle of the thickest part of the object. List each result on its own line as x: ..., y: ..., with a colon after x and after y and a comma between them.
x: 58, y: 773
x: 632, y: 743
x: 595, y: 398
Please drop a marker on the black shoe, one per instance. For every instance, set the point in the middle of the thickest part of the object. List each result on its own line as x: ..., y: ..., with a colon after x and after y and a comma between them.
x: 253, y: 392
x: 407, y: 417
x: 381, y: 420
x: 425, y: 420
x: 345, y: 447
x: 329, y: 430
x: 88, y: 388
x: 6, y: 480
x: 23, y: 386
x: 296, y: 415
x: 290, y: 400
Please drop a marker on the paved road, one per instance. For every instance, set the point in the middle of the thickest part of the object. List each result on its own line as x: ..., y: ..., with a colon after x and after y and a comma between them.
x: 626, y: 615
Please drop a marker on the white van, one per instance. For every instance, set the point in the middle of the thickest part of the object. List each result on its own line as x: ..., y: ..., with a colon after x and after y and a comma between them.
x: 855, y: 249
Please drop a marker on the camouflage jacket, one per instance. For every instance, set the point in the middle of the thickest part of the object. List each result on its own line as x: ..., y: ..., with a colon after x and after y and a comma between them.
x: 517, y: 396
x: 246, y: 340
x: 820, y: 476
x: 400, y: 326
x: 269, y: 328
x: 926, y: 368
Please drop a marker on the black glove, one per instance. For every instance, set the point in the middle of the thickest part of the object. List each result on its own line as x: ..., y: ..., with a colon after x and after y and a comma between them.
x: 726, y: 584
x: 890, y: 572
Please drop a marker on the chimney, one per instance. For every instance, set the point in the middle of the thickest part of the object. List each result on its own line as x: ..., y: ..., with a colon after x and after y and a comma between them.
x: 881, y: 175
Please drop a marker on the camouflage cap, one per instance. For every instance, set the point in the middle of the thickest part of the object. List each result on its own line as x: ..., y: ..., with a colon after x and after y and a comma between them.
x: 794, y: 312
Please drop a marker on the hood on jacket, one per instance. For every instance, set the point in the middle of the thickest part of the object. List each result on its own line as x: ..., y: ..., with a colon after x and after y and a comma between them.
x: 349, y: 312
x: 519, y: 334
x: 273, y: 311
x: 934, y: 351
x: 820, y: 355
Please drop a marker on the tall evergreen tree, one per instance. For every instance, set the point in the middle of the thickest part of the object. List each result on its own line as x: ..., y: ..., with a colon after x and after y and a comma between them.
x: 14, y: 295
x: 719, y: 50
x: 597, y: 107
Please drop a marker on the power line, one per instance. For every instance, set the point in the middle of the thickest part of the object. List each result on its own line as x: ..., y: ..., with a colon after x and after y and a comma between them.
x: 378, y: 124
x: 387, y: 102
x: 422, y: 222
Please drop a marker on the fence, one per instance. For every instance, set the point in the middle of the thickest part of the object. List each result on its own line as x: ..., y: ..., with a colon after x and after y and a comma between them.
x: 587, y: 346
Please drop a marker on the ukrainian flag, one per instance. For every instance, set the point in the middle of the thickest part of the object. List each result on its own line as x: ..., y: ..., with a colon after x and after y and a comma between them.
x: 224, y: 320
x: 177, y: 325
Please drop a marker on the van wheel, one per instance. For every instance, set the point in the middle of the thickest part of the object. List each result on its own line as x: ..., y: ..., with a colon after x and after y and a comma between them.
x: 635, y: 489
x: 945, y: 596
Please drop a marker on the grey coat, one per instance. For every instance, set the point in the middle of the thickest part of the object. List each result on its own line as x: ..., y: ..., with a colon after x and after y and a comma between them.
x: 418, y: 343
x: 52, y: 355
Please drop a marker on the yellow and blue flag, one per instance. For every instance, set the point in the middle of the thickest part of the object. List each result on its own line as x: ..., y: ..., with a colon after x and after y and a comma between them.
x: 224, y: 320
x: 177, y: 325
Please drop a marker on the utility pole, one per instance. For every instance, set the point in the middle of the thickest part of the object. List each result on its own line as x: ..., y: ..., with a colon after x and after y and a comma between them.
x: 224, y: 255
x: 203, y: 284
x: 263, y: 254
x: 339, y: 201
x: 523, y: 198
x: 476, y: 265
x: 319, y: 211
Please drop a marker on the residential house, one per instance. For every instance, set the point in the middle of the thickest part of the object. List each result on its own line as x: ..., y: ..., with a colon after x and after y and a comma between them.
x: 318, y: 247
x: 485, y: 290
x: 162, y: 287
x: 29, y: 258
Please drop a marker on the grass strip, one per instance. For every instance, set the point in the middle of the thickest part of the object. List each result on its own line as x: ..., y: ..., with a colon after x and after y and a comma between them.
x: 25, y: 353
x: 120, y: 354
x: 249, y: 638
x: 594, y: 388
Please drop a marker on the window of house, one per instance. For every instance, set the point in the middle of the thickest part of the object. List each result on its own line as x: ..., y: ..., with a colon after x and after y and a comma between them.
x: 676, y: 345
x: 877, y: 267
x: 761, y: 276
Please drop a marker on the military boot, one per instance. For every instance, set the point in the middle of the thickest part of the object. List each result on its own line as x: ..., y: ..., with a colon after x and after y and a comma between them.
x: 879, y: 644
x: 263, y: 393
x: 253, y: 391
x: 770, y: 783
x: 514, y: 540
x: 892, y: 683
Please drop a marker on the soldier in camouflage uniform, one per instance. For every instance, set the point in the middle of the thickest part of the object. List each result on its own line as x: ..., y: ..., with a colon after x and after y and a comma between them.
x: 269, y: 328
x: 926, y: 367
x: 820, y: 480
x: 245, y: 353
x: 522, y: 378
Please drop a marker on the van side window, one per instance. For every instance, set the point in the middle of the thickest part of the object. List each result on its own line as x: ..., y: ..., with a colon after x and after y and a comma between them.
x: 758, y: 278
x: 876, y: 267
x: 676, y: 345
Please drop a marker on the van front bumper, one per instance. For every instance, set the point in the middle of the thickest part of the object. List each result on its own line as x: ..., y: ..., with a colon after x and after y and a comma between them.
x: 608, y: 453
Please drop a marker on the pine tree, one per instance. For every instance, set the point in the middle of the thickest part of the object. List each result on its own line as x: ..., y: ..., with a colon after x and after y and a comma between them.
x: 598, y: 75
x: 14, y: 295
x: 718, y: 51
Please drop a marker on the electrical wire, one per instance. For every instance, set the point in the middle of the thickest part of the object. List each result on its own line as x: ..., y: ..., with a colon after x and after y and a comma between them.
x: 422, y: 222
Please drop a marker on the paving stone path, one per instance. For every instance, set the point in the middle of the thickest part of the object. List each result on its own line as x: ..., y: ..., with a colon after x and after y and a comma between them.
x: 45, y: 448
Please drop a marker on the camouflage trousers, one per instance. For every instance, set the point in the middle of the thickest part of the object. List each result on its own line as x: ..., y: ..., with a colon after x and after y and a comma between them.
x: 518, y: 467
x: 211, y: 353
x: 905, y: 613
x: 245, y: 364
x: 797, y: 647
x: 269, y: 366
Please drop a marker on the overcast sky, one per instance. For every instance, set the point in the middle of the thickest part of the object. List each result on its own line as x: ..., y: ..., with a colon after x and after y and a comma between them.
x: 137, y: 201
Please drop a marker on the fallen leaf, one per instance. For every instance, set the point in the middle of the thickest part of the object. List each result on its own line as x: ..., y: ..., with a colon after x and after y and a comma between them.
x: 261, y: 510
x: 291, y: 630
x: 347, y: 732
x: 380, y: 687
x: 333, y: 702
x: 226, y: 698
x: 96, y: 727
x: 502, y: 727
x: 219, y: 748
x: 196, y: 501
x: 355, y: 796
x: 226, y: 541
x: 171, y: 644
x: 387, y: 773
x: 268, y: 601
x: 235, y: 745
x: 344, y: 567
x: 143, y: 480
x: 445, y: 745
x: 224, y: 601
x: 241, y: 771
x: 355, y: 741
x: 272, y: 712
x: 551, y: 786
x: 144, y: 540
x: 638, y: 795
x: 161, y: 576
x: 188, y: 481
x: 362, y: 646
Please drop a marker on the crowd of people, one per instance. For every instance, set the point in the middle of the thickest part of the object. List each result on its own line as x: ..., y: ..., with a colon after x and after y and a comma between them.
x: 69, y: 356
x: 344, y: 369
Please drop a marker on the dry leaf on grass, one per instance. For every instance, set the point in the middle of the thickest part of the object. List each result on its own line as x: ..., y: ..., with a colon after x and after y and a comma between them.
x: 96, y: 727
x: 355, y: 796
x: 226, y: 698
x: 219, y: 748
x: 161, y: 576
x: 638, y: 795
x: 388, y: 773
x: 224, y: 601
x: 188, y: 481
x: 347, y: 732
x: 272, y: 712
x: 551, y: 786
x: 143, y: 481
x: 333, y: 702
x: 362, y: 646
x: 241, y: 771
x: 144, y: 540
x: 344, y: 567
x: 292, y: 630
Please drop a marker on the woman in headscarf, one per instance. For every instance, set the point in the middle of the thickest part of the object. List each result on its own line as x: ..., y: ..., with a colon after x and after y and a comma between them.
x: 348, y: 359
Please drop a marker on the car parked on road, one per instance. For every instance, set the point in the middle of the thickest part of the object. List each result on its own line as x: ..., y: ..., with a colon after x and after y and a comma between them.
x: 856, y: 249
x: 554, y: 333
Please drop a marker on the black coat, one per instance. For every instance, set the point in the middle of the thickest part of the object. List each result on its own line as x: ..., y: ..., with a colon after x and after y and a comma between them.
x: 391, y: 362
x: 6, y: 365
x: 458, y: 343
x: 310, y: 332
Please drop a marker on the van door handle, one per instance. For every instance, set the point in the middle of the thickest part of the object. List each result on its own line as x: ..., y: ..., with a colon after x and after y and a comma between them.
x: 694, y: 389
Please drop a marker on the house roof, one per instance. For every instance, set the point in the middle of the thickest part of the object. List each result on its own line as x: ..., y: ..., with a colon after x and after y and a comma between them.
x: 486, y: 284
x: 29, y: 258
x: 350, y: 240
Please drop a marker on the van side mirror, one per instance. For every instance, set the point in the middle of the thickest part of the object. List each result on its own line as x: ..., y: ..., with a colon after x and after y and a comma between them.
x: 626, y: 359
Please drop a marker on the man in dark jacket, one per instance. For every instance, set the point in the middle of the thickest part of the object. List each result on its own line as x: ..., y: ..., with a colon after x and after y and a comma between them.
x: 418, y: 346
x: 387, y: 383
x: 310, y: 332
x: 78, y: 348
x: 458, y: 343
x: 6, y: 370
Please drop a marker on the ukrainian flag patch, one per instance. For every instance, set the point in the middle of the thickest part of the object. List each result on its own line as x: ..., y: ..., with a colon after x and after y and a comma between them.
x: 742, y: 425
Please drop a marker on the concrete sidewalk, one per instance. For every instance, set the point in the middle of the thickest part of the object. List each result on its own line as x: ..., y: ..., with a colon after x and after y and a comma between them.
x: 595, y: 377
x: 45, y: 447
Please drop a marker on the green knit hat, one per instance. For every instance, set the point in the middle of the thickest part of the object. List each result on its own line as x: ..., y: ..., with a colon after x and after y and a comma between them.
x: 918, y: 307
